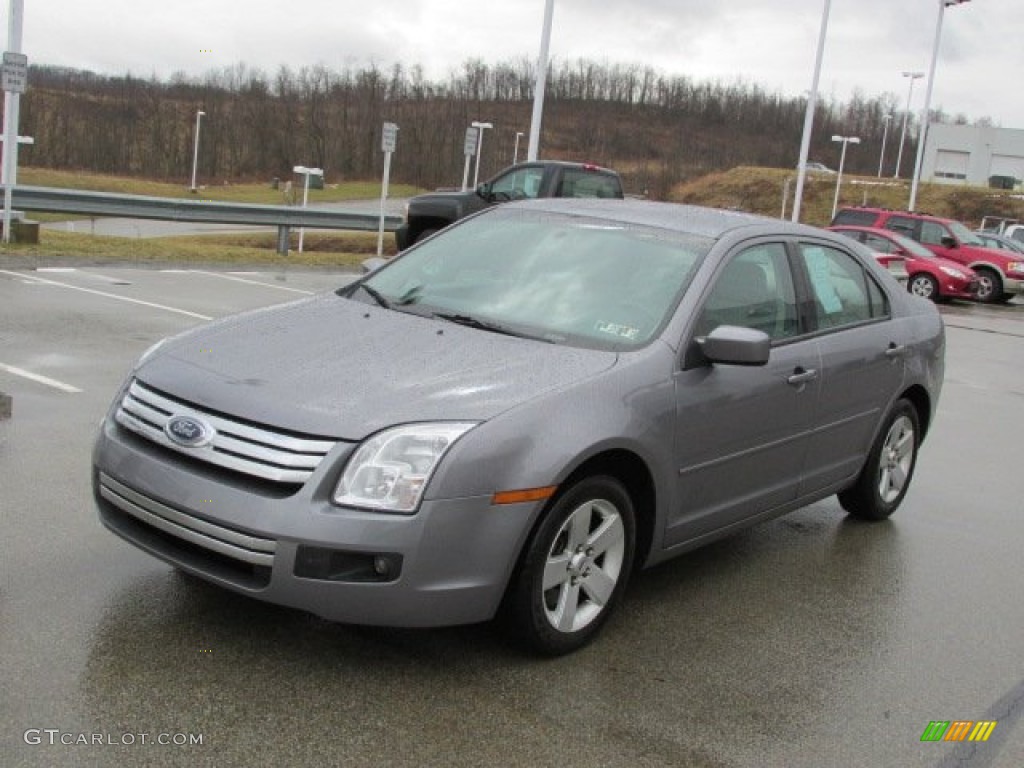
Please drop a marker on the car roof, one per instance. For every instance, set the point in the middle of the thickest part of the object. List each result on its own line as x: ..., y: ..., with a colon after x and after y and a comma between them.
x: 709, y: 222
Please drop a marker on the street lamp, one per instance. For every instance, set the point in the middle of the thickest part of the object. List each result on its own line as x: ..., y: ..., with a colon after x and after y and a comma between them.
x: 923, y: 133
x: 842, y: 159
x: 541, y: 82
x: 515, y: 152
x: 307, y: 172
x: 195, y: 151
x: 812, y: 100
x: 886, y: 119
x: 899, y: 155
x: 480, y: 127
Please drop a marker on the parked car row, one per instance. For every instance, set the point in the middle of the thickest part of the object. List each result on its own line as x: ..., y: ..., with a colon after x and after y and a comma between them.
x: 997, y: 274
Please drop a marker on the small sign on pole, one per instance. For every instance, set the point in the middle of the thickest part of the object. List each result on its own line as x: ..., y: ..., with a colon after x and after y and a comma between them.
x: 389, y: 140
x: 469, y: 149
x: 14, y: 72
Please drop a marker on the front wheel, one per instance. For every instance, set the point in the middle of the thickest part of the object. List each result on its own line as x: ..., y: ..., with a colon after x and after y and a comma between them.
x: 990, y: 286
x: 885, y: 478
x: 575, y: 567
x: 923, y: 285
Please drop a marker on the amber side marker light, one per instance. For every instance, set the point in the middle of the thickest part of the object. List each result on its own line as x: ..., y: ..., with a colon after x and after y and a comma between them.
x: 529, y: 494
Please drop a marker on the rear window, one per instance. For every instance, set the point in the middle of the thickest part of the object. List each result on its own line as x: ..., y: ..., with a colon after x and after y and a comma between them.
x: 579, y: 183
x: 855, y: 217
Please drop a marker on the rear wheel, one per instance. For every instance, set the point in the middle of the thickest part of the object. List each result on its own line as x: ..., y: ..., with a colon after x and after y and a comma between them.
x: 924, y: 285
x: 990, y: 286
x: 885, y: 478
x: 575, y: 567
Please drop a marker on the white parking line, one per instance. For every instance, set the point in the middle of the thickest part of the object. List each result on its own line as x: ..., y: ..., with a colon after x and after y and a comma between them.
x: 164, y: 307
x: 251, y: 282
x: 39, y: 379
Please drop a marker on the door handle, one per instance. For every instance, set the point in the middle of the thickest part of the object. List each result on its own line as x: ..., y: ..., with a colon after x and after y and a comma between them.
x: 895, y: 350
x: 801, y: 376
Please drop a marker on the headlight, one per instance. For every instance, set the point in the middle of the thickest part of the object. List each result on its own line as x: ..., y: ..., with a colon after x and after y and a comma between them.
x: 389, y: 471
x: 954, y: 273
x: 1015, y: 266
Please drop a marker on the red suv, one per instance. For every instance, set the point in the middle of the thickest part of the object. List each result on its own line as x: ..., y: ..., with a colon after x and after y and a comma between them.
x: 1000, y: 273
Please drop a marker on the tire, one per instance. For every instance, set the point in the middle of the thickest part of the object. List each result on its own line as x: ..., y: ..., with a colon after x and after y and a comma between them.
x: 582, y: 552
x: 990, y: 286
x: 886, y: 476
x: 924, y: 285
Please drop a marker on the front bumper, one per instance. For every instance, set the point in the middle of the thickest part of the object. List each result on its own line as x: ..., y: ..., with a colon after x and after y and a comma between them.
x: 402, y: 237
x: 454, y: 557
x: 1013, y: 285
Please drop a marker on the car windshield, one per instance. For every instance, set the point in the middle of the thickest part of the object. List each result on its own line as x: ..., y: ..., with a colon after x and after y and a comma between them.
x: 561, y: 278
x: 963, y: 234
x: 911, y: 246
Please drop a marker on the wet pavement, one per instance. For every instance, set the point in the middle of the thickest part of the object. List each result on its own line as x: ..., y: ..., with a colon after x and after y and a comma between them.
x: 808, y: 641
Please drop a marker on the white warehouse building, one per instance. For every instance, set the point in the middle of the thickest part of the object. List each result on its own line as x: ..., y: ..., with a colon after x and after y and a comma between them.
x: 972, y: 154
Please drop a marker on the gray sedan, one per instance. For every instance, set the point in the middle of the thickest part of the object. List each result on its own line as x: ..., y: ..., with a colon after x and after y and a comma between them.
x: 521, y: 410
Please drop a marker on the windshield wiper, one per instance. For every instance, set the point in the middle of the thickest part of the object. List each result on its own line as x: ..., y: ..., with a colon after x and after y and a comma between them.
x: 376, y: 295
x: 487, y: 325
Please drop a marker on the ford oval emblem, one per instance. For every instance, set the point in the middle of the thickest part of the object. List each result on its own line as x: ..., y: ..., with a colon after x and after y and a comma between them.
x: 188, y: 431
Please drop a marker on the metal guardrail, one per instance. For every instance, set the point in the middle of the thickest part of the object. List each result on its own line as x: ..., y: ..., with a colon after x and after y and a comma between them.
x: 283, y: 217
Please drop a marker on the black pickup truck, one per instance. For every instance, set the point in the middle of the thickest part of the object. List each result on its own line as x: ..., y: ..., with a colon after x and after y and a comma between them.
x: 430, y: 212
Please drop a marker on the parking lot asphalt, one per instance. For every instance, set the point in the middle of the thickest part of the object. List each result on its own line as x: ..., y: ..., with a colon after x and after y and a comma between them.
x: 808, y: 641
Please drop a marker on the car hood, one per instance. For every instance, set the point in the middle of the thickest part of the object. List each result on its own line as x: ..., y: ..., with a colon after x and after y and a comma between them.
x: 334, y: 367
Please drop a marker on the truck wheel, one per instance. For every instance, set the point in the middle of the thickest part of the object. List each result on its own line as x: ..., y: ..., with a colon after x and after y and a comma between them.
x: 990, y: 286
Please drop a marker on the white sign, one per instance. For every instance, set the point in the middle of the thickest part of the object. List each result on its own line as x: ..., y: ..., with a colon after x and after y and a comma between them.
x: 389, y: 137
x: 472, y: 137
x: 15, y: 72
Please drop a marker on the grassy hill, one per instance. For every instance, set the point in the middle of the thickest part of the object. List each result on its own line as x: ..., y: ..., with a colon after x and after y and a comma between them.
x: 760, y: 190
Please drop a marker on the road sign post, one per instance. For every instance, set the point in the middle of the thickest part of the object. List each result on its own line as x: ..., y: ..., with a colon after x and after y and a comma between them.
x: 469, y: 149
x: 389, y: 140
x: 14, y: 77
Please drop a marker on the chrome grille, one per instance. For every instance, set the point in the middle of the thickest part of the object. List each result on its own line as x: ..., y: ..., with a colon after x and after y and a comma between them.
x: 240, y: 447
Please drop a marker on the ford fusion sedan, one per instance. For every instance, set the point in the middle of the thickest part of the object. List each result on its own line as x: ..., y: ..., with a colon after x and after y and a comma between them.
x: 516, y: 414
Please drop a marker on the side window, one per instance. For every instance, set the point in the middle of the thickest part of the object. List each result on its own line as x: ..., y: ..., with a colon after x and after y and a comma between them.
x: 517, y: 185
x: 755, y: 290
x: 879, y: 244
x: 932, y: 233
x: 844, y: 292
x: 902, y: 224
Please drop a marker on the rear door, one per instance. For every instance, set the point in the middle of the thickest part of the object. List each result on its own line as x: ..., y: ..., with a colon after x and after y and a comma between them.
x: 862, y: 361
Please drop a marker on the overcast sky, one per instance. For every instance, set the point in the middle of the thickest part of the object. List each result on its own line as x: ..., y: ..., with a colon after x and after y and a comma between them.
x: 768, y: 42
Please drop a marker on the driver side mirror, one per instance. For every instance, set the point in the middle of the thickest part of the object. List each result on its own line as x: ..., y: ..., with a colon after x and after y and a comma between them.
x: 734, y: 345
x: 949, y: 242
x: 484, y: 190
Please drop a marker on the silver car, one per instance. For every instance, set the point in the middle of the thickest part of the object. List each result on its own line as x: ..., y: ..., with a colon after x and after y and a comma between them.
x: 521, y: 410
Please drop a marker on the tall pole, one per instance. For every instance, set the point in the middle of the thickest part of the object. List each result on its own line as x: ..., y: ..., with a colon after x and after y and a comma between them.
x: 812, y: 101
x: 923, y: 134
x: 906, y: 115
x: 542, y: 76
x: 195, y: 149
x: 886, y: 119
x: 12, y: 106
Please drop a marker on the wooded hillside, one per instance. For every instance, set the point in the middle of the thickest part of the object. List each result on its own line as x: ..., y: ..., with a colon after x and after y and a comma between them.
x: 655, y: 129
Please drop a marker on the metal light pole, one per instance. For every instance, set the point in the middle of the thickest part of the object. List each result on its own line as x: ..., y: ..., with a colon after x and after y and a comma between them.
x: 906, y: 115
x: 480, y: 127
x: 12, y: 107
x: 307, y: 172
x: 842, y: 160
x: 515, y: 152
x: 195, y: 150
x: 886, y: 119
x: 923, y: 133
x: 812, y: 101
x: 542, y: 77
